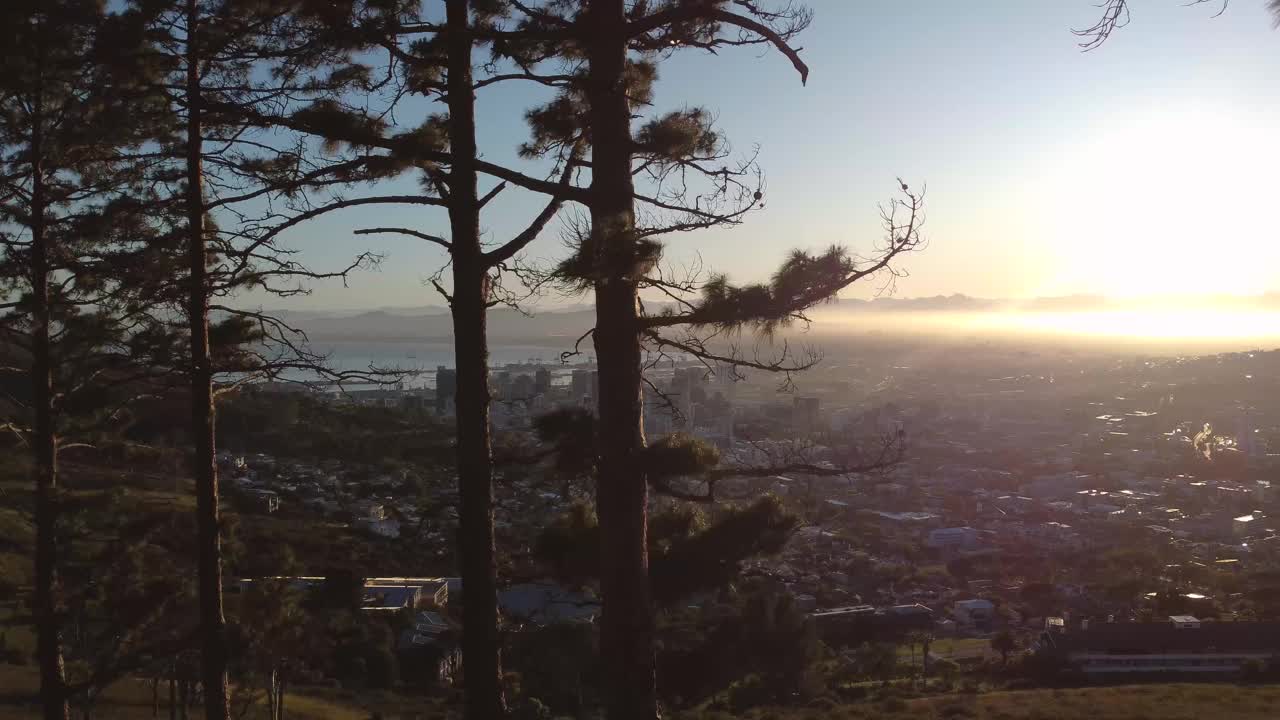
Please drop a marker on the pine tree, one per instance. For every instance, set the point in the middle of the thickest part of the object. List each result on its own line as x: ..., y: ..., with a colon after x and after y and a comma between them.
x: 611, y: 50
x: 438, y: 63
x: 132, y: 605
x: 241, y: 184
x: 606, y: 57
x: 691, y: 550
x: 275, y: 633
x: 68, y: 169
x: 1115, y: 15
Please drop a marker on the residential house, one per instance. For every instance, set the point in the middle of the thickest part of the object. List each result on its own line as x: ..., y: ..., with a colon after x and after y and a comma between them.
x: 952, y: 538
x: 974, y: 613
x: 546, y: 604
x: 383, y: 598
x: 397, y: 593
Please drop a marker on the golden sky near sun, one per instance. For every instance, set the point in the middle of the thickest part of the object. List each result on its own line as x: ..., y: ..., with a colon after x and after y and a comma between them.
x: 1164, y: 201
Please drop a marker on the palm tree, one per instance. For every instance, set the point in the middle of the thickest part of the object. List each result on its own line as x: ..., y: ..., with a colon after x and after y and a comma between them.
x: 913, y: 638
x: 926, y: 639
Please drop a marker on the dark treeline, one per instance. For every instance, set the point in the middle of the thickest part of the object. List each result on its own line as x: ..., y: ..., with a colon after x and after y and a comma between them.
x: 155, y: 153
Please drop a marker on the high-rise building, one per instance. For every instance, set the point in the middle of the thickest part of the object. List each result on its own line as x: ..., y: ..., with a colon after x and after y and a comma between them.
x: 542, y: 381
x: 580, y: 383
x: 724, y: 382
x: 501, y: 384
x: 522, y: 387
x: 690, y: 380
x: 446, y: 388
x: 805, y: 416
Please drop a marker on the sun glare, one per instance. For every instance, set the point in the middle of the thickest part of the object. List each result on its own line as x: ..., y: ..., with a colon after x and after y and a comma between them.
x: 1162, y: 202
x: 1154, y: 324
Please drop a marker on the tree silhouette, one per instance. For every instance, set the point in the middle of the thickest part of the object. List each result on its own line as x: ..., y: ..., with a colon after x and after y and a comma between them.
x: 132, y: 608
x: 67, y: 307
x: 1115, y: 15
x: 610, y: 52
x: 272, y: 624
x: 1004, y: 643
x: 236, y: 188
x: 924, y: 639
x: 436, y: 62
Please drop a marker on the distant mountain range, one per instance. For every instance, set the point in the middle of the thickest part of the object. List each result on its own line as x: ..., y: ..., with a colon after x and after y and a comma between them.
x: 435, y: 324
x: 432, y: 323
x: 1064, y: 303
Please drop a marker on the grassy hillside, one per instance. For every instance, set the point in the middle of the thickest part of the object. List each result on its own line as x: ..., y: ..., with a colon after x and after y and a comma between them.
x: 1127, y: 702
x: 131, y: 700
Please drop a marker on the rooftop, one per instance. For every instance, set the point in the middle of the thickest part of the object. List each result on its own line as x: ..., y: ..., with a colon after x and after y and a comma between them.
x: 1166, y: 637
x: 850, y: 610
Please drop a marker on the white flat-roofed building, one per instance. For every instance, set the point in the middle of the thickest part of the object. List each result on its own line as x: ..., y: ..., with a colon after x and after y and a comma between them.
x: 956, y: 537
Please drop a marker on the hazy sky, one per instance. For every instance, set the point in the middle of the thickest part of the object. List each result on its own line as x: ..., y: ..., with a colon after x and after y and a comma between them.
x: 1146, y: 166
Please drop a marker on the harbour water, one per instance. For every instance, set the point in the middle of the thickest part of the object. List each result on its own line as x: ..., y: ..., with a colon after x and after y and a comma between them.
x: 422, y: 359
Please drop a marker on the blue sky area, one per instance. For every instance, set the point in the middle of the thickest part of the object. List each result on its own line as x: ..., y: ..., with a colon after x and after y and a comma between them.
x: 1144, y: 167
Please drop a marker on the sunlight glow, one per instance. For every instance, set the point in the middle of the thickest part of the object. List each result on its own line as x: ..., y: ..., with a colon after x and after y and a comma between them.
x: 1168, y: 200
x: 1138, y: 324
x: 1223, y: 326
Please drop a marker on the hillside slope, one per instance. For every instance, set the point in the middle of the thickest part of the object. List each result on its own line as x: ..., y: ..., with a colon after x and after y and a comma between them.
x: 1174, y: 701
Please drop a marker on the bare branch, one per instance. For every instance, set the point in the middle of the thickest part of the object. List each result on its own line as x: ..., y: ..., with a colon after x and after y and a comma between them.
x: 509, y: 249
x: 564, y: 356
x: 411, y: 233
x: 1115, y: 15
x: 688, y: 12
x: 492, y: 194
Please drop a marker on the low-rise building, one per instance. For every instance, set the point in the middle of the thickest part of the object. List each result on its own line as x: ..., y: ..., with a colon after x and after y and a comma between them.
x: 546, y: 604
x: 1246, y: 525
x: 265, y: 500
x: 387, y: 527
x: 951, y: 538
x: 1181, y: 644
x: 390, y: 597
x: 974, y: 612
x: 397, y: 593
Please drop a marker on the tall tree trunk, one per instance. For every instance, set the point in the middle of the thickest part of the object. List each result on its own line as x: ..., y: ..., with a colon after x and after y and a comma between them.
x: 208, y: 536
x: 90, y: 701
x: 481, y: 664
x: 173, y: 695
x: 622, y: 490
x: 280, y: 689
x: 271, y: 694
x: 53, y: 696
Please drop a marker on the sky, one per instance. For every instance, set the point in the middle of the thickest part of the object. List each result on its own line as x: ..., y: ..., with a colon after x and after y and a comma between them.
x: 1147, y: 166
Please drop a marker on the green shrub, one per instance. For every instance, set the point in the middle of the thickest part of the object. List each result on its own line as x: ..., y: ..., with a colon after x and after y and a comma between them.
x: 956, y: 709
x: 747, y: 693
x: 893, y: 704
x: 10, y: 655
x: 1253, y: 671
